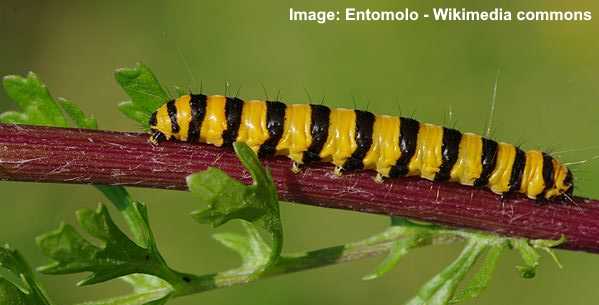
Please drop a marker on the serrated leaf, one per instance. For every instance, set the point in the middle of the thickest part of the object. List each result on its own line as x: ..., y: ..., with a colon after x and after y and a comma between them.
x: 38, y: 107
x: 11, y: 294
x: 117, y: 256
x: 134, y: 212
x: 481, y: 279
x: 12, y: 260
x: 33, y: 98
x: 229, y: 199
x: 133, y: 112
x: 75, y: 113
x: 143, y: 88
x: 440, y: 289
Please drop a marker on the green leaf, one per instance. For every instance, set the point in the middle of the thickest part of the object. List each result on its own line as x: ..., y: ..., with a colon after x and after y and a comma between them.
x: 529, y: 256
x: 11, y: 295
x: 33, y: 98
x: 134, y: 212
x: 144, y: 282
x: 252, y: 249
x: 147, y: 290
x: 413, y: 234
x: 13, y: 261
x: 117, y: 256
x: 400, y: 249
x: 145, y: 92
x: 75, y: 113
x: 481, y: 279
x: 133, y: 112
x: 547, y: 244
x: 31, y: 293
x: 13, y: 117
x: 440, y: 289
x: 229, y: 199
x: 39, y: 107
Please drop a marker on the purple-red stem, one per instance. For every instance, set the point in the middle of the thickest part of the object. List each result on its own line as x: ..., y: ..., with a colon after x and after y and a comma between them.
x: 45, y: 154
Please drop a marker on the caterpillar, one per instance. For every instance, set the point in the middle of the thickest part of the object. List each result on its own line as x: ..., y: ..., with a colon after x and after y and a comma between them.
x: 355, y: 140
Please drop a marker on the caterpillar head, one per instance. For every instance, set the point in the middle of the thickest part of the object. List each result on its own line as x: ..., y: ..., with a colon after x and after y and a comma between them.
x: 160, y: 128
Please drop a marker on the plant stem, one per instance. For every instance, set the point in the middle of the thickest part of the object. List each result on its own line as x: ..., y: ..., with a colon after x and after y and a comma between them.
x: 288, y: 263
x: 45, y: 154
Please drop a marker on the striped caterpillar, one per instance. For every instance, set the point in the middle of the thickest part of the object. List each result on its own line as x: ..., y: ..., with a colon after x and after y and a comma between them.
x: 355, y: 139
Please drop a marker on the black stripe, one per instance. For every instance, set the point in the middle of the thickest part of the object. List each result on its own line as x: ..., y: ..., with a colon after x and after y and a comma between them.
x: 548, y: 172
x: 319, y: 130
x: 364, y: 129
x: 172, y: 114
x: 517, y: 170
x: 488, y: 161
x: 408, y: 137
x: 197, y: 103
x: 450, y: 150
x: 275, y: 120
x: 233, y: 109
x: 153, y: 120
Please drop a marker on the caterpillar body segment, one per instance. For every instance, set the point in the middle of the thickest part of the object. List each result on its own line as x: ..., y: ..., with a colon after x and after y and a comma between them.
x: 355, y: 140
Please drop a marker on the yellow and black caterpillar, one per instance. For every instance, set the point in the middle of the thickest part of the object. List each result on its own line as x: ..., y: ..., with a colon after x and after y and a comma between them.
x: 355, y: 139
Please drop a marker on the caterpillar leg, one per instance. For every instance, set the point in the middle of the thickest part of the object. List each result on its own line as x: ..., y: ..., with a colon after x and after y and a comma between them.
x: 503, y: 197
x: 338, y: 170
x: 379, y: 178
x: 295, y: 168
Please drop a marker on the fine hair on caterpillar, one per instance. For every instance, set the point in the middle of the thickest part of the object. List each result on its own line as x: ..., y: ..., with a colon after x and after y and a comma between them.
x: 360, y: 140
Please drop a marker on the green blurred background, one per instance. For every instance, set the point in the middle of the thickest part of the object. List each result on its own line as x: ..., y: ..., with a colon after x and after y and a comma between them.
x: 547, y: 98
